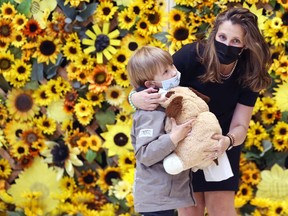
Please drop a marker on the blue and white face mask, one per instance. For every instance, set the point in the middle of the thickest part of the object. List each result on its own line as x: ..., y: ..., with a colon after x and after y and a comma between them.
x: 172, y: 82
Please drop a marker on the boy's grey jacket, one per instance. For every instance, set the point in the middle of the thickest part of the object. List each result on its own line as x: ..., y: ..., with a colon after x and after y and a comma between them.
x: 154, y: 189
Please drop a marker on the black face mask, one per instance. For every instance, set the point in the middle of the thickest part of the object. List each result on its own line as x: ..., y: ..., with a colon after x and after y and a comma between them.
x: 227, y: 54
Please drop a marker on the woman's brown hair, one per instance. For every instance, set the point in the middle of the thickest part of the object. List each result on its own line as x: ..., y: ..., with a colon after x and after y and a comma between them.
x: 257, y: 53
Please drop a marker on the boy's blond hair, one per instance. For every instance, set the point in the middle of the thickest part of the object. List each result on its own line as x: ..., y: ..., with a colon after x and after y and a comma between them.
x: 145, y: 63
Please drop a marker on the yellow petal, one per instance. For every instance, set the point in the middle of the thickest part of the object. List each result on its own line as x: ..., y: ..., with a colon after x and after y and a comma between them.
x: 115, y: 42
x: 99, y: 57
x: 114, y: 34
x: 107, y: 54
x: 91, y: 35
x: 89, y: 49
x: 97, y: 30
x: 106, y: 28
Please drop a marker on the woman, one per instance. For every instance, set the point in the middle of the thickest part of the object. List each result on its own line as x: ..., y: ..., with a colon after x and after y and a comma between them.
x: 231, y: 68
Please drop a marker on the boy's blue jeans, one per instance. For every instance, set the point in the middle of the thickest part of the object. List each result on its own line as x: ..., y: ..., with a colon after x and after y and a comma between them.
x: 159, y: 213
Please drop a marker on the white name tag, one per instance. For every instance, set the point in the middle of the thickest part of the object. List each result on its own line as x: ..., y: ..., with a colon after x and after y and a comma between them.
x: 146, y: 133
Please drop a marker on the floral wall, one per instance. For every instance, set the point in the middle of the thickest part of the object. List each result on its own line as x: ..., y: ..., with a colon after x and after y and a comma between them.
x: 64, y: 114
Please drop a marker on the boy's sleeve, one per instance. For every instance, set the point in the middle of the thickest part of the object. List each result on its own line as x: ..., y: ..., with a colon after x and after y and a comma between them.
x: 152, y: 144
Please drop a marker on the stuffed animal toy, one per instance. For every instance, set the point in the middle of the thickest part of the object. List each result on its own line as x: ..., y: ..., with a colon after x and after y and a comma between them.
x: 185, y: 103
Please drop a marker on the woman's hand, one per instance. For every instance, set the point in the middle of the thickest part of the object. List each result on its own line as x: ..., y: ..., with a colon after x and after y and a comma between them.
x: 148, y: 99
x: 215, y: 151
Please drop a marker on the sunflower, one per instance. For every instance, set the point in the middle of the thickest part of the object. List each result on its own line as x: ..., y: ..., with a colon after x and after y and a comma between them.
x: 40, y: 10
x: 42, y: 98
x: 255, y: 135
x: 280, y: 130
x: 6, y: 61
x: 4, y: 46
x: 68, y: 184
x: 278, y: 208
x: 121, y: 77
x: 40, y: 179
x: 83, y: 144
x: 8, y: 10
x: 136, y: 8
x: 21, y: 104
x: 19, y: 21
x: 115, y: 95
x: 245, y: 192
x: 272, y: 185
x: 280, y: 66
x: 19, y: 150
x: 7, y: 31
x: 177, y: 17
x: 117, y: 139
x: 142, y: 27
x: 268, y: 117
x: 74, y: 3
x: 20, y: 40
x: 63, y: 156
x: 84, y: 62
x: 180, y: 35
x: 131, y: 42
x: 100, y: 79
x: 283, y: 3
x: 101, y: 42
x: 47, y: 50
x: 280, y: 144
x: 96, y: 99
x: 13, y: 130
x: 21, y: 70
x: 105, y: 11
x: 84, y: 111
x: 3, y: 115
x: 106, y: 176
x: 6, y: 169
x: 74, y: 137
x: 71, y: 50
x: 87, y: 178
x: 126, y: 19
x: 32, y: 29
x: 127, y: 160
x: 280, y: 96
x: 3, y: 141
x: 46, y: 125
x: 121, y: 57
x: 94, y: 142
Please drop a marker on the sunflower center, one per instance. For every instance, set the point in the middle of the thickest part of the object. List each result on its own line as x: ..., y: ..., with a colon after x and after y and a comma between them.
x: 106, y: 11
x: 128, y: 161
x: 5, y: 63
x: 100, y: 78
x: 46, y: 124
x: 177, y: 17
x: 88, y: 179
x: 154, y: 18
x: 133, y: 46
x: 20, y: 21
x: 31, y: 137
x: 8, y: 11
x: 124, y: 76
x: 128, y: 19
x: 72, y: 50
x: 136, y: 10
x: 279, y: 34
x: 114, y: 94
x: 143, y: 25
x: 21, y: 70
x: 121, y: 58
x: 5, y: 30
x: 111, y: 175
x: 181, y: 34
x: 102, y: 42
x: 47, y: 47
x: 24, y: 102
x: 120, y: 139
x: 60, y: 154
x: 33, y: 27
x: 20, y: 150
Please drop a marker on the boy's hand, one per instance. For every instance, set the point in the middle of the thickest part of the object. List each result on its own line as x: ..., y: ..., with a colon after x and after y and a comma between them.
x: 179, y: 132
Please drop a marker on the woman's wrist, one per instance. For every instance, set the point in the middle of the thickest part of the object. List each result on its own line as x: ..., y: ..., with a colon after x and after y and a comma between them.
x: 232, y: 140
x: 130, y: 99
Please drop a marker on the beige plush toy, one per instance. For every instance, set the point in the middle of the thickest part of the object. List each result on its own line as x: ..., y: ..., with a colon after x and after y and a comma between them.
x: 184, y: 103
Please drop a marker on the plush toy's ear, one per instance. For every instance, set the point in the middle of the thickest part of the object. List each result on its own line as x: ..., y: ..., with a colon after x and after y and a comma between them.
x: 204, y: 97
x: 169, y: 93
x: 174, y: 108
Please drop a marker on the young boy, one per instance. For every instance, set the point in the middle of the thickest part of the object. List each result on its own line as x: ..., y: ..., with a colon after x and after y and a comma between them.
x: 155, y: 191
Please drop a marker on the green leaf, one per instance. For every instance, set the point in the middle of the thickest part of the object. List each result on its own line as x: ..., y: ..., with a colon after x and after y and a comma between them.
x: 67, y: 9
x: 161, y: 37
x: 15, y: 213
x: 32, y: 85
x: 105, y: 117
x: 24, y: 7
x: 4, y: 84
x: 184, y: 9
x: 88, y: 11
x: 37, y: 71
x: 90, y: 155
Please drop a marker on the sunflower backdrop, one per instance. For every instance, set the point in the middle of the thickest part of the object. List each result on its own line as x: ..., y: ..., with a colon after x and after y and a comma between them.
x: 64, y: 115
